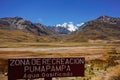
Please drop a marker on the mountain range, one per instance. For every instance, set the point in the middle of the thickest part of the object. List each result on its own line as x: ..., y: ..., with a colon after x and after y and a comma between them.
x: 65, y: 28
x: 19, y: 29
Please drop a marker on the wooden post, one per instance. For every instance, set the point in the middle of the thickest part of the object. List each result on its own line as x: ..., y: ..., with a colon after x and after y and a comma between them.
x: 49, y: 78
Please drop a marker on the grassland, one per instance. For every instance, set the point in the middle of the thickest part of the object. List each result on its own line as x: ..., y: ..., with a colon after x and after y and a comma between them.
x: 100, y: 58
x: 53, y: 44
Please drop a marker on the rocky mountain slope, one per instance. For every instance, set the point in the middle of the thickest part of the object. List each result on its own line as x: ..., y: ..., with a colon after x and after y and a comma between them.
x: 59, y: 30
x: 102, y: 28
x: 17, y: 23
x: 17, y: 29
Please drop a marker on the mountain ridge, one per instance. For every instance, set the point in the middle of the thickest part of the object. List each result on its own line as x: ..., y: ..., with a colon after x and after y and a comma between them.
x: 18, y: 23
x: 17, y: 29
x: 101, y: 28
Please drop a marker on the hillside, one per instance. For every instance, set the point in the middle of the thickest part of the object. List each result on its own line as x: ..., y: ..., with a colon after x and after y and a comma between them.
x: 17, y: 29
x: 59, y: 30
x: 102, y: 28
x: 18, y: 23
x: 18, y: 36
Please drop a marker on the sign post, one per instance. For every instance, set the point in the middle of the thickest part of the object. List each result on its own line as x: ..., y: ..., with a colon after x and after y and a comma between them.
x: 34, y: 68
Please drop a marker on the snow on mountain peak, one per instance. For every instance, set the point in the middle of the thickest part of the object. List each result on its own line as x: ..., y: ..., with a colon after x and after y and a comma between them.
x: 70, y: 26
x: 80, y: 24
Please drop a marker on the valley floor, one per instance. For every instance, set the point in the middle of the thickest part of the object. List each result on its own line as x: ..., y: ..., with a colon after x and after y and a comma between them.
x: 99, y: 57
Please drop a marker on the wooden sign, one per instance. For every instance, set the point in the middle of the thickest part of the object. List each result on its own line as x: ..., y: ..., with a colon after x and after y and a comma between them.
x: 32, y: 68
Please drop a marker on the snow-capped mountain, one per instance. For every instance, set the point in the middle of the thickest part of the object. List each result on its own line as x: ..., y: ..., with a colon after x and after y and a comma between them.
x: 65, y: 28
x: 69, y: 26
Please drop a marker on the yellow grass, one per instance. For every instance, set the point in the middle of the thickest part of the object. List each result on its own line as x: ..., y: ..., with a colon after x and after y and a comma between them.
x: 96, y: 55
x: 53, y: 44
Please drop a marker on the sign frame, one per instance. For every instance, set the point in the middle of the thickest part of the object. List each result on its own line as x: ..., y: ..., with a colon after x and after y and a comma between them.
x: 44, y: 67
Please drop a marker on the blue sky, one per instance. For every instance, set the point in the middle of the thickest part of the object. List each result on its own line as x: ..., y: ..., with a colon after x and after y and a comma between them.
x: 51, y: 12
